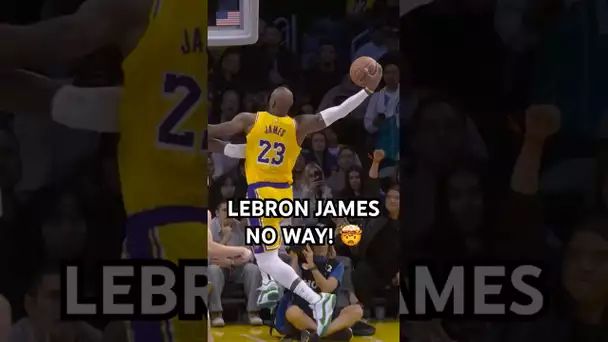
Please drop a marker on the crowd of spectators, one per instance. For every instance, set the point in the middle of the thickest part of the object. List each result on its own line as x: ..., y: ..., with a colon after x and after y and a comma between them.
x: 504, y: 156
x: 60, y: 193
x: 356, y: 157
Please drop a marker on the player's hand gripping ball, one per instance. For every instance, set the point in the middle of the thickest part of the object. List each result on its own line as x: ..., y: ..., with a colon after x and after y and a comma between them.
x: 351, y: 235
x: 366, y: 73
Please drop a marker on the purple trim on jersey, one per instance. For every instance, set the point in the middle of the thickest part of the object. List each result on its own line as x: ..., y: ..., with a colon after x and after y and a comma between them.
x: 138, y: 226
x: 251, y: 188
x: 149, y: 331
x: 139, y: 243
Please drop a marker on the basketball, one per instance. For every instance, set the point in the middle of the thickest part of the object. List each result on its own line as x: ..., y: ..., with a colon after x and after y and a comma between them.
x: 357, y: 69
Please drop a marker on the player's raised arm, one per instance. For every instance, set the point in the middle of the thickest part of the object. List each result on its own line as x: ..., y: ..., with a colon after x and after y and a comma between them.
x: 310, y: 123
x: 227, y: 149
x: 97, y: 23
x: 241, y: 123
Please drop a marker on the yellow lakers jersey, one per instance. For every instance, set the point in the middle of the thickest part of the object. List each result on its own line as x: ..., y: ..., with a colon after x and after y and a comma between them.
x: 163, y: 113
x: 272, y: 149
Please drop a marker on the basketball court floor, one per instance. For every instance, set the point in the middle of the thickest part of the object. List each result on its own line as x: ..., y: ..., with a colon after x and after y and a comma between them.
x: 385, y: 332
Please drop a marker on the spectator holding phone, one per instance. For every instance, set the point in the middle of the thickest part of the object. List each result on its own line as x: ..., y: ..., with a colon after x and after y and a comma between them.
x: 312, y: 187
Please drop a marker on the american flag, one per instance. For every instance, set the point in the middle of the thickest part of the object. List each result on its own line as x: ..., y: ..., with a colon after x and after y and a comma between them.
x: 228, y: 18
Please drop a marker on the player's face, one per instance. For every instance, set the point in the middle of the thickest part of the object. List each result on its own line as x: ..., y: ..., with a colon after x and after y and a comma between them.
x: 318, y: 143
x: 392, y: 201
x: 346, y: 159
x: 586, y: 267
x: 354, y: 180
x: 391, y: 75
x: 465, y: 199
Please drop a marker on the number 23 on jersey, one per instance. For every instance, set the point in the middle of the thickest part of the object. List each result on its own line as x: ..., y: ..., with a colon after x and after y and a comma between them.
x: 274, y: 158
x: 169, y: 132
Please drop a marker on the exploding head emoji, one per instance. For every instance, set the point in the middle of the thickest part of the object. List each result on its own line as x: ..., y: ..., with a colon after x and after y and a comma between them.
x: 350, y: 235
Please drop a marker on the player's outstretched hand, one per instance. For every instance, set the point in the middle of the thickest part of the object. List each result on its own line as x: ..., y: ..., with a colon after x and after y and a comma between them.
x: 371, y: 81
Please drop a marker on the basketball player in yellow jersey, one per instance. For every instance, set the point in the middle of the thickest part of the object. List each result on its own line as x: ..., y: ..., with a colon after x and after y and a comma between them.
x: 161, y: 161
x: 273, y: 145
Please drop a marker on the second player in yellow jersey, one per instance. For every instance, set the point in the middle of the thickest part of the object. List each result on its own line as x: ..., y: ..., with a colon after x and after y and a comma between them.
x: 161, y: 160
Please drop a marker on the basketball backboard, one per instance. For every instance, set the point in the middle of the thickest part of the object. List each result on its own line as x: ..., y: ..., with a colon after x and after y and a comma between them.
x: 233, y: 22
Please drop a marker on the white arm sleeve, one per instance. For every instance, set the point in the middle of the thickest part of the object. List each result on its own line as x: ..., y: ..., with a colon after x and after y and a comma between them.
x: 333, y: 114
x: 235, y: 151
x: 94, y: 109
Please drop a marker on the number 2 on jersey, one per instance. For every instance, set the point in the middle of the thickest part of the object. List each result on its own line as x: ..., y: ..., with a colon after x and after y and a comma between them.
x: 279, y: 150
x: 168, y: 130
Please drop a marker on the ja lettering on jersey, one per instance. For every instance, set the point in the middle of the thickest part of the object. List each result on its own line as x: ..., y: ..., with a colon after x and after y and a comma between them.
x: 161, y: 157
